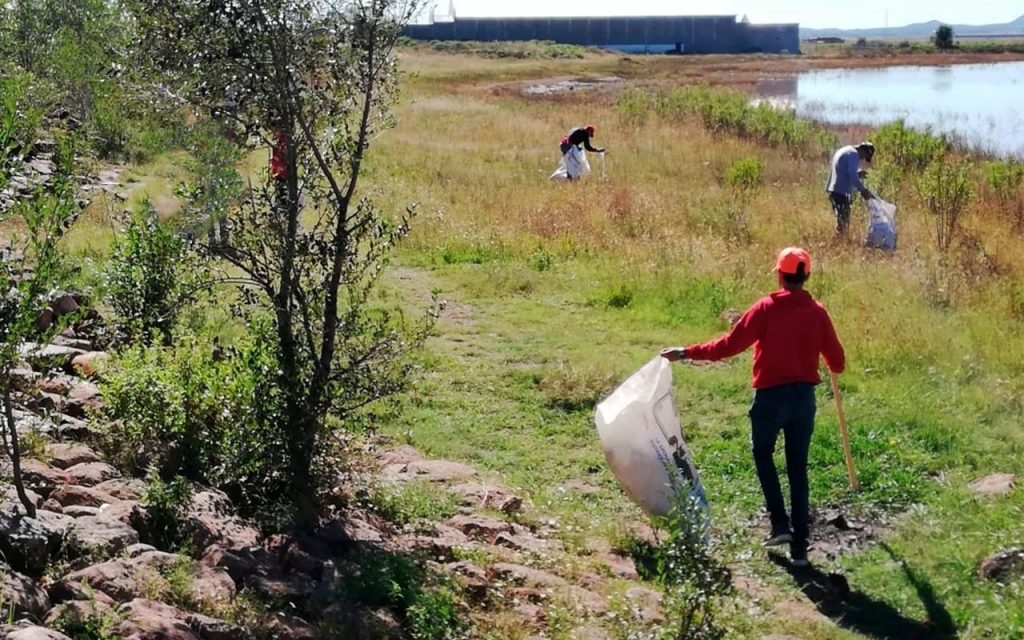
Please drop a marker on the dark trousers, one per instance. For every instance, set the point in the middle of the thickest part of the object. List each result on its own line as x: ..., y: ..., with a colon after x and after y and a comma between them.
x: 841, y: 205
x: 788, y: 408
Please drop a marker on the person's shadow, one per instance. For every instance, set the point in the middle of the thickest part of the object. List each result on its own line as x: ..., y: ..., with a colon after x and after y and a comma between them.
x: 832, y: 595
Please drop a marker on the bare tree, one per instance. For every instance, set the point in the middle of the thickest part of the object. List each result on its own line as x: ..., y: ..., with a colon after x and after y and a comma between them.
x: 314, y: 80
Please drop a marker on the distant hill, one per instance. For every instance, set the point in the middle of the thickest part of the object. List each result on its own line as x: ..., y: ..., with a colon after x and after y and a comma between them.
x: 919, y: 30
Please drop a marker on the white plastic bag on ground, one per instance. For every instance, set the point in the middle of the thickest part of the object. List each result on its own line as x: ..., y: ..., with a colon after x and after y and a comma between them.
x: 643, y: 443
x: 574, y: 163
x: 881, y: 225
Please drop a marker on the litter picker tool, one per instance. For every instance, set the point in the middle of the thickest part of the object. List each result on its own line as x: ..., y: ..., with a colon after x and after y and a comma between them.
x: 844, y: 433
x: 604, y: 175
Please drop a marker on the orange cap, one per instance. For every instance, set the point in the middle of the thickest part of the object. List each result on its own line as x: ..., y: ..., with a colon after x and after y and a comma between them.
x: 790, y: 260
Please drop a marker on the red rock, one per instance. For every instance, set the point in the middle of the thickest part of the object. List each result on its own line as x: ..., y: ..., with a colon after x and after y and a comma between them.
x: 10, y: 495
x: 211, y: 586
x: 68, y: 454
x: 33, y: 632
x: 525, y: 594
x: 527, y: 542
x: 483, y: 496
x: 431, y: 470
x: 647, y: 604
x: 473, y: 578
x: 527, y: 576
x: 149, y: 620
x: 213, y: 629
x: 443, y: 544
x: 998, y: 484
x: 399, y: 456
x: 41, y: 477
x: 79, y: 610
x: 352, y: 621
x: 353, y: 527
x: 480, y: 527
x: 241, y: 563
x: 211, y: 517
x: 590, y: 632
x: 118, y: 580
x: 45, y: 319
x: 100, y: 535
x: 127, y: 512
x: 84, y: 398
x: 294, y: 589
x: 587, y: 601
x: 64, y: 304
x: 285, y: 627
x: 90, y: 474
x: 72, y: 495
x: 21, y: 596
x: 620, y: 566
x: 88, y: 364
x: 123, y: 488
x: 301, y: 561
x: 1003, y: 566
x: 532, y: 614
x: 59, y: 384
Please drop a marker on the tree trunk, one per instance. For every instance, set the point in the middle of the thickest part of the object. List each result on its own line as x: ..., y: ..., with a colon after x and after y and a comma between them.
x: 301, y: 433
x: 14, y: 451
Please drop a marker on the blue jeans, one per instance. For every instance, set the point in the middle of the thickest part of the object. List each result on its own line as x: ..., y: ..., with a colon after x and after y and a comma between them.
x: 788, y: 408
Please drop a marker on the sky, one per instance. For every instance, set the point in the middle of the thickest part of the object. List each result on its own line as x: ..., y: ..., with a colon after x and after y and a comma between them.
x: 858, y: 14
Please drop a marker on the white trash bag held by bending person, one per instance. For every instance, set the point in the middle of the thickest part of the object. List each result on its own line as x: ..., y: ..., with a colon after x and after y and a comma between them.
x: 573, y: 165
x: 881, y: 225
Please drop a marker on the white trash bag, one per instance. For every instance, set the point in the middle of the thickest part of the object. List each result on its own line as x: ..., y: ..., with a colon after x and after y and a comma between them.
x: 881, y: 225
x: 574, y: 163
x: 643, y: 443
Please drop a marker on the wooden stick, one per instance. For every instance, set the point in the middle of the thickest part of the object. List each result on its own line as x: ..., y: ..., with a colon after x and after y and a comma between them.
x: 850, y: 471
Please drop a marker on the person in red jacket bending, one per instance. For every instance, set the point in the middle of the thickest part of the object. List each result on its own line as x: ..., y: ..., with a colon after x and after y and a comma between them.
x: 789, y: 331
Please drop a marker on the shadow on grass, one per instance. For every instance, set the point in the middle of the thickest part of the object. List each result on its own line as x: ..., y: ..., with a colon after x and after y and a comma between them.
x: 856, y: 611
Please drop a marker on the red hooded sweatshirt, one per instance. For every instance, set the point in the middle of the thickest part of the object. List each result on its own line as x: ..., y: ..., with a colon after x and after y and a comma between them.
x: 789, y: 331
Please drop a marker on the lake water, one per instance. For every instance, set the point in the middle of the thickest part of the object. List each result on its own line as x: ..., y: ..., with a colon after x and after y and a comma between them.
x: 979, y: 105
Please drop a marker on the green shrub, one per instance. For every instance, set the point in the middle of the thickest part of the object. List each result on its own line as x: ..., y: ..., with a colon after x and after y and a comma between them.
x: 946, y: 189
x: 212, y: 419
x: 745, y: 175
x: 434, y: 615
x: 19, y: 119
x: 541, y: 260
x: 142, y: 277
x: 166, y: 505
x: 1003, y: 180
x: 908, y: 149
x: 404, y: 584
x: 620, y: 297
x: 633, y: 107
x: 730, y: 112
x: 694, y: 577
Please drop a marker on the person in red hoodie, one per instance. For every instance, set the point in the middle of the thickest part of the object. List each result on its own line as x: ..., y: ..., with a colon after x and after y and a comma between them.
x: 789, y: 331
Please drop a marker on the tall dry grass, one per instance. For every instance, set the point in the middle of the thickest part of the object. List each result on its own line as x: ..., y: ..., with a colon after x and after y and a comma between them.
x: 477, y: 161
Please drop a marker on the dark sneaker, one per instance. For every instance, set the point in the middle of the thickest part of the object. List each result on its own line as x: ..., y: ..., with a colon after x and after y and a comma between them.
x: 798, y: 556
x: 778, y: 537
